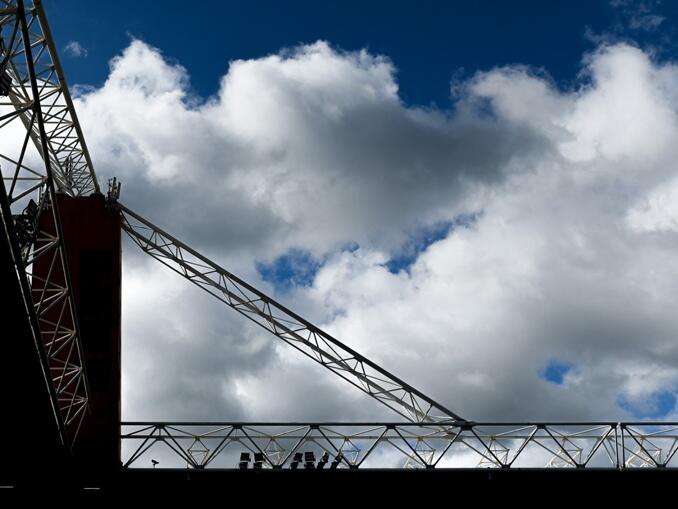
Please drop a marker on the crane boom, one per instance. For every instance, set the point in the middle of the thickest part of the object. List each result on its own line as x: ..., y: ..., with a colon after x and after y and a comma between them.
x: 284, y: 323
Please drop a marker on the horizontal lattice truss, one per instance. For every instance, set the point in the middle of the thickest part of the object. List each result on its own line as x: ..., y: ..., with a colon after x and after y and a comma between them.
x: 399, y: 445
x: 31, y: 210
x: 285, y: 324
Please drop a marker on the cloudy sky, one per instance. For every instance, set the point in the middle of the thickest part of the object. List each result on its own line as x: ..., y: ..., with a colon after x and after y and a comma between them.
x: 494, y: 219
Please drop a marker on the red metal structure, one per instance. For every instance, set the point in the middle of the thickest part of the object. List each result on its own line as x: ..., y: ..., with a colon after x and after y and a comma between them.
x: 91, y: 235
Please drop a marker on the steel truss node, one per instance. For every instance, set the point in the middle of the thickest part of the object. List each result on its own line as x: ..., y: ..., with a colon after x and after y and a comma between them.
x: 591, y: 445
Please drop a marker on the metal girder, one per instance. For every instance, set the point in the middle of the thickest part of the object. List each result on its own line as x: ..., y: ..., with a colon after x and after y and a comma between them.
x: 285, y: 324
x: 620, y: 445
x: 32, y: 213
x: 7, y: 229
x: 64, y: 144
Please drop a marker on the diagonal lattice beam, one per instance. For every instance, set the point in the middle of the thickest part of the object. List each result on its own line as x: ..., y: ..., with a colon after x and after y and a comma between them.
x: 285, y: 324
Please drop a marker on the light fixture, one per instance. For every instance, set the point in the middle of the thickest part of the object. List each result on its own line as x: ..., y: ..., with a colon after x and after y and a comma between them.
x: 244, y: 460
x: 323, y: 460
x: 309, y: 459
x: 298, y: 458
x: 337, y: 459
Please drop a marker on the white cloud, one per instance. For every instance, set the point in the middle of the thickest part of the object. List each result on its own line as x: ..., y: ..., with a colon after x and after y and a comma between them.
x: 312, y: 148
x: 640, y: 14
x: 302, y: 147
x: 75, y: 49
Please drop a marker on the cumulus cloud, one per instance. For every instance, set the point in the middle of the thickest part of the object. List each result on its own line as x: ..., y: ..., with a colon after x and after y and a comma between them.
x: 570, y: 258
x: 75, y: 49
x: 308, y: 148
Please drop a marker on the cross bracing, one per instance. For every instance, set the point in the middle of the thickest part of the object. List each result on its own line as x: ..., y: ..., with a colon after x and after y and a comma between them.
x: 592, y: 445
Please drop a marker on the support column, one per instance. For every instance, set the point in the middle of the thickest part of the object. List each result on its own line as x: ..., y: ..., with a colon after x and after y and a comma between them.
x: 91, y: 235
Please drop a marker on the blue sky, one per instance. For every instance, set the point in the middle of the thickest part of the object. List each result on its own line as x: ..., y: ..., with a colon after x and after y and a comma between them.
x: 556, y: 371
x: 657, y: 406
x: 429, y: 42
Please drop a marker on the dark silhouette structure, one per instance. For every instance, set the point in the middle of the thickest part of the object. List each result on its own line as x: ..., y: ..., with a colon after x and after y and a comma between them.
x: 60, y: 281
x: 91, y: 236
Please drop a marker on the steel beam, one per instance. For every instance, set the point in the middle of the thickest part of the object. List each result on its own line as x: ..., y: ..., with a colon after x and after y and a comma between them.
x: 285, y: 324
x: 64, y: 144
x: 401, y: 445
x: 32, y: 188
